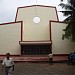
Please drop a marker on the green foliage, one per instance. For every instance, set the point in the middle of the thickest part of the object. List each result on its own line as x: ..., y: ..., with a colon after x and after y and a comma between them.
x: 70, y: 20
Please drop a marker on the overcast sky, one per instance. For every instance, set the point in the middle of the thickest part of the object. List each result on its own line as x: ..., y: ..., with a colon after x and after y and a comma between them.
x: 8, y: 8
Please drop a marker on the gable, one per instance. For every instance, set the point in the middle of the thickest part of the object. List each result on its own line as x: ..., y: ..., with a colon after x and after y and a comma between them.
x: 31, y: 30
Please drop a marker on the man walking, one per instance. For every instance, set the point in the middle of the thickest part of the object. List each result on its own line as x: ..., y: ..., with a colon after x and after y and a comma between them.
x: 8, y: 63
x: 50, y: 58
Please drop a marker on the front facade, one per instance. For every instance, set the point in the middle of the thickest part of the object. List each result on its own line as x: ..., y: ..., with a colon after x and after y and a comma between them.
x: 27, y: 37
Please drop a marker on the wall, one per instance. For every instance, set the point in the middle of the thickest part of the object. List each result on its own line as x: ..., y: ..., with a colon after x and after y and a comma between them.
x: 10, y: 35
x: 60, y: 46
x: 31, y: 30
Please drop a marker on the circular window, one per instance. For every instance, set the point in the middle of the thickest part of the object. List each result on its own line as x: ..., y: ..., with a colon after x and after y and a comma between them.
x: 36, y: 19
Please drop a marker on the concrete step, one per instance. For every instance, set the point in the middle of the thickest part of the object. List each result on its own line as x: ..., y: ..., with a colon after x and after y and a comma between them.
x: 34, y: 58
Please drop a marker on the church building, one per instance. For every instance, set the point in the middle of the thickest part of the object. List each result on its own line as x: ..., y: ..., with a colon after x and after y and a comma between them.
x: 35, y: 31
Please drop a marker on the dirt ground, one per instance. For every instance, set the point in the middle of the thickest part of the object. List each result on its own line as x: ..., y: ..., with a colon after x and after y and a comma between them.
x: 42, y: 69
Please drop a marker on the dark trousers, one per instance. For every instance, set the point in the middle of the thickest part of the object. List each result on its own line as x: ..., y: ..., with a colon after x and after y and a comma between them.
x: 51, y: 61
x: 7, y: 70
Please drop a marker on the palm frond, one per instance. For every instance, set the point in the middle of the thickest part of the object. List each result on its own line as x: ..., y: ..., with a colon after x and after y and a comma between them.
x: 67, y: 20
x: 66, y: 6
x: 66, y: 13
x: 72, y: 2
x: 69, y: 31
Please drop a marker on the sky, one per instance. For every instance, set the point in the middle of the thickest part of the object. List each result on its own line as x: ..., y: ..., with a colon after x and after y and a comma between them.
x: 8, y: 8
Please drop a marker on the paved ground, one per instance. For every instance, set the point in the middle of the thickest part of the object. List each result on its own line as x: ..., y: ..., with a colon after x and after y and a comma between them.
x: 42, y: 69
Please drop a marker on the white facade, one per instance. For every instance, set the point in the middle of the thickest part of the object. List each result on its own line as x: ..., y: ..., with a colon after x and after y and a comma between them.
x: 31, y: 30
x: 60, y: 46
x: 49, y: 29
x: 10, y: 35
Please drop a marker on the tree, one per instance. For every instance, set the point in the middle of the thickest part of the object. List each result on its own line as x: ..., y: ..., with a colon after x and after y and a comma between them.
x: 61, y: 0
x: 70, y: 20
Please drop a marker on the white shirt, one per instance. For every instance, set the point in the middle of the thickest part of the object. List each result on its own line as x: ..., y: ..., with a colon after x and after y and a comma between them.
x: 8, y: 62
x: 50, y: 55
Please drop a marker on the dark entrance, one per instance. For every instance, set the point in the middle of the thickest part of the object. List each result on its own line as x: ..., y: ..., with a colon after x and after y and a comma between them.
x: 34, y: 49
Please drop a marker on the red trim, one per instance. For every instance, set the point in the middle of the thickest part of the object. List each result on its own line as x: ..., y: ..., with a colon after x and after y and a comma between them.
x: 16, y: 14
x: 50, y: 31
x: 38, y: 42
x: 56, y: 21
x: 11, y: 23
x: 57, y: 14
x: 39, y: 6
x: 21, y: 30
x: 50, y: 35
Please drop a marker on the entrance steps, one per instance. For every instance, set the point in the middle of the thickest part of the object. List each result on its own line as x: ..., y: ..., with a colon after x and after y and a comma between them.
x: 36, y: 58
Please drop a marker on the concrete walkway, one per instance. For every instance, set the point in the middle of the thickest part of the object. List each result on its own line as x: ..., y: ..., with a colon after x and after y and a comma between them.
x: 42, y: 69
